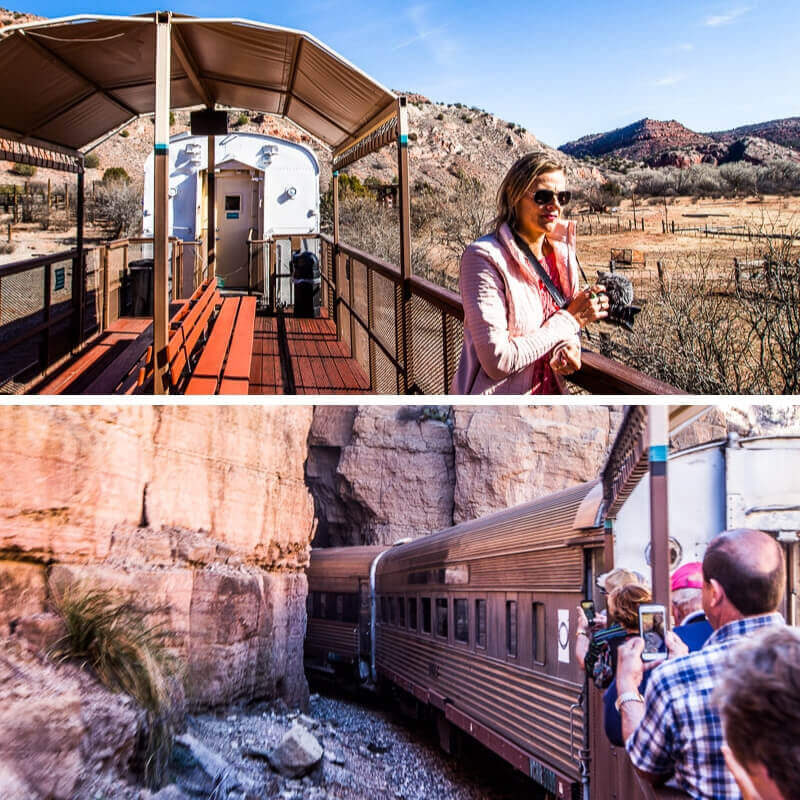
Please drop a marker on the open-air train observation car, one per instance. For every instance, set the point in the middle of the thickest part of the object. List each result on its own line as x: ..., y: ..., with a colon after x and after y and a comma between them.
x: 265, y: 187
x: 476, y: 623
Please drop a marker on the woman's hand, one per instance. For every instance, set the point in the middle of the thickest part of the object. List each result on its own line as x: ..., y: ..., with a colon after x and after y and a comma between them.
x: 589, y: 305
x: 566, y: 359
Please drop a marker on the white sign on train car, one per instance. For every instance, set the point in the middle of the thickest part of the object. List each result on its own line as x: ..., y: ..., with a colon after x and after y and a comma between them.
x: 739, y: 482
x: 264, y: 187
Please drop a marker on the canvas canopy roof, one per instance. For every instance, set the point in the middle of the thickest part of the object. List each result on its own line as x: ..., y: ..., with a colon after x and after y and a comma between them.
x: 68, y: 82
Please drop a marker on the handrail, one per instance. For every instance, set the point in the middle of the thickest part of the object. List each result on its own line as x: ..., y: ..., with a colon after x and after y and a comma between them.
x: 598, y: 374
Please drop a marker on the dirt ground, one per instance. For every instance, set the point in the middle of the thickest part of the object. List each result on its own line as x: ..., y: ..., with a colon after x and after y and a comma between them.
x: 770, y: 214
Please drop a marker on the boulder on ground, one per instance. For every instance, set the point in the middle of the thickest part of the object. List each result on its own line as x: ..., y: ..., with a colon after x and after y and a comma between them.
x: 297, y: 753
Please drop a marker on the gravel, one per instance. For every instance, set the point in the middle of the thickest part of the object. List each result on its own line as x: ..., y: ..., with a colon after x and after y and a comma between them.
x: 369, y: 752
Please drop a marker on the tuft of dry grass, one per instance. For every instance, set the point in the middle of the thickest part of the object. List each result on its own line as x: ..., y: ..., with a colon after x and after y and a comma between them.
x: 112, y: 637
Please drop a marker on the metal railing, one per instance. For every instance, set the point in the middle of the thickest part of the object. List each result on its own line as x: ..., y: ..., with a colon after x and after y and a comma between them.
x: 40, y: 323
x: 407, y: 335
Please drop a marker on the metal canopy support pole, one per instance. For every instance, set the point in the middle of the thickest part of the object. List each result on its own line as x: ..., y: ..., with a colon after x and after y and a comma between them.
x: 79, y: 268
x: 658, y: 435
x: 212, y: 207
x: 161, y: 188
x: 335, y: 260
x: 404, y: 206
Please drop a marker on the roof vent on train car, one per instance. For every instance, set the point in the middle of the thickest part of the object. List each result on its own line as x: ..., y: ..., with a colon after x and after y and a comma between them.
x: 675, y: 554
x: 265, y: 155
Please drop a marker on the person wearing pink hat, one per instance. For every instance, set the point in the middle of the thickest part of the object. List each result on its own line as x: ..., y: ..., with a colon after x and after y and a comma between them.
x: 686, y: 589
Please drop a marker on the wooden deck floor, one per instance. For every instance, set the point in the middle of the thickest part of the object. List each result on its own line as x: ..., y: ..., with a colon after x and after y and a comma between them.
x: 314, y: 361
x: 84, y: 374
x: 297, y: 356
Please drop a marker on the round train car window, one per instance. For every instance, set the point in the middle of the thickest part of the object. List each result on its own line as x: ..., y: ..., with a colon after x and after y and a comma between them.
x: 675, y: 554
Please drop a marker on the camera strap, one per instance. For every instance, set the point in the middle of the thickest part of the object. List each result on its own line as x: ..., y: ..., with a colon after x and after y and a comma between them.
x: 540, y: 270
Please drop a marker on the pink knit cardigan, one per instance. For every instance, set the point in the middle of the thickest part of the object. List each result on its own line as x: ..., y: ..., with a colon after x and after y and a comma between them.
x: 504, y: 328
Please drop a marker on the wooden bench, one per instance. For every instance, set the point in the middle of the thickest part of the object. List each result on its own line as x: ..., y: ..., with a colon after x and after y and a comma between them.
x: 210, y: 345
x: 224, y: 364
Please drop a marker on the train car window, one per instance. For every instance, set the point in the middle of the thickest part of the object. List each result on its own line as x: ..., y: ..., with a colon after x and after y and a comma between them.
x: 349, y: 607
x: 412, y: 613
x: 384, y: 612
x: 331, y: 606
x: 392, y: 610
x: 461, y: 619
x: 441, y: 616
x: 511, y: 627
x: 426, y: 615
x: 310, y: 604
x: 322, y: 606
x: 340, y: 606
x: 401, y: 612
x: 537, y: 616
x: 480, y: 623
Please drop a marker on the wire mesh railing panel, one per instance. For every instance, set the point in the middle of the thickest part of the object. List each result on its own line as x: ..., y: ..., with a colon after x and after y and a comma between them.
x: 21, y: 311
x: 326, y: 268
x: 118, y: 258
x: 426, y: 342
x: 343, y: 290
x: 93, y: 308
x: 384, y: 323
x: 358, y: 274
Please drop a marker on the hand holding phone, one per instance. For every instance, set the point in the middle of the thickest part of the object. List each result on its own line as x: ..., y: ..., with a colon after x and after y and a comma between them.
x: 652, y: 629
x: 588, y: 610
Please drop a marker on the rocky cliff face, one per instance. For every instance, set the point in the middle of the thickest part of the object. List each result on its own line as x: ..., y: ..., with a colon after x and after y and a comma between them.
x: 201, y: 513
x: 382, y: 473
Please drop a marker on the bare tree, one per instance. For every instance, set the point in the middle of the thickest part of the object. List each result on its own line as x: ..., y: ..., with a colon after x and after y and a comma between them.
x: 118, y: 203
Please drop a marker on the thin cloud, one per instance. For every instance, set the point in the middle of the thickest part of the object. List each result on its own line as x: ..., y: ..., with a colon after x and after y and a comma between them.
x: 727, y: 18
x: 422, y: 35
x: 668, y: 80
x: 442, y: 49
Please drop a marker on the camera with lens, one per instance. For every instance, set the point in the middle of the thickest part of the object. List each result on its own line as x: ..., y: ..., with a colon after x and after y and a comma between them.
x: 621, y: 310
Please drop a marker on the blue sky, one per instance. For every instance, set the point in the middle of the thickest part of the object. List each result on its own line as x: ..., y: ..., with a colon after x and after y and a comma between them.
x: 561, y: 70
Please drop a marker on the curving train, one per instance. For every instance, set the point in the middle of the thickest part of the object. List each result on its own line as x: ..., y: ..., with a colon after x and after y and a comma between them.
x: 477, y: 622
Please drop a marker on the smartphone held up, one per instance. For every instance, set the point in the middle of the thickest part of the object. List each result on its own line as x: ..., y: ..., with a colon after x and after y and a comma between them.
x: 652, y: 629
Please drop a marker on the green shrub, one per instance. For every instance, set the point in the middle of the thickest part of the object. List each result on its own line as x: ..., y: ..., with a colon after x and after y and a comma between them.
x: 242, y: 119
x: 116, y: 174
x: 440, y: 115
x: 91, y: 161
x: 113, y: 638
x: 26, y: 170
x: 171, y: 118
x: 412, y: 137
x: 124, y: 133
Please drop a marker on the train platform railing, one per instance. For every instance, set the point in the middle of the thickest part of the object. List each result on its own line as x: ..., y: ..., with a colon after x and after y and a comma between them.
x: 46, y: 318
x: 407, y: 335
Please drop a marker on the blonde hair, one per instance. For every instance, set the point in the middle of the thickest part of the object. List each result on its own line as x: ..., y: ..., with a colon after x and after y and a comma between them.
x: 518, y: 180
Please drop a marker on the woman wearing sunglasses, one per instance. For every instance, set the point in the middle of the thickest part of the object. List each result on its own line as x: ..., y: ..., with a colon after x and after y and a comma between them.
x: 519, y: 287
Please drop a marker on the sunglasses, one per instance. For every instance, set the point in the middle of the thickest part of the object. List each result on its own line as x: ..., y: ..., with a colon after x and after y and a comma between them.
x: 543, y: 197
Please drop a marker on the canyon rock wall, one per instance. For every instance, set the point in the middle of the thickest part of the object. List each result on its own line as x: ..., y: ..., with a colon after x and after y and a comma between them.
x: 382, y: 473
x: 200, y: 513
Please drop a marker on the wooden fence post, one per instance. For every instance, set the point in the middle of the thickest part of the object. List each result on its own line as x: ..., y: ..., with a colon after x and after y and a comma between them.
x: 662, y: 274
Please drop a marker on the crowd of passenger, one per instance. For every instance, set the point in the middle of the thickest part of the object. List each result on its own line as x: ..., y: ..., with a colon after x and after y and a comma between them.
x: 719, y: 716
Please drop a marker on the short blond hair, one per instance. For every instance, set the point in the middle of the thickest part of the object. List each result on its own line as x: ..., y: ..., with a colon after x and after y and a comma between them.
x: 518, y: 180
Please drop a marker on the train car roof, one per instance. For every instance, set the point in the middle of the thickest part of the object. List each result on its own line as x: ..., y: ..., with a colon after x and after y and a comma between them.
x: 342, y: 562
x: 554, y: 520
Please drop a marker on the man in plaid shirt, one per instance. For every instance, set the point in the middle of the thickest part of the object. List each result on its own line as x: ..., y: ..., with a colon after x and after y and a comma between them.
x: 675, y: 732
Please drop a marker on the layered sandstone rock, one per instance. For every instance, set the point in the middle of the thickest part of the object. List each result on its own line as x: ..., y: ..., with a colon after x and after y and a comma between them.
x: 198, y: 513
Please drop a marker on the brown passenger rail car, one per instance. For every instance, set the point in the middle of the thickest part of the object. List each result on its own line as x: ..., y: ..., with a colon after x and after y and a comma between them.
x: 477, y: 622
x: 338, y: 630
